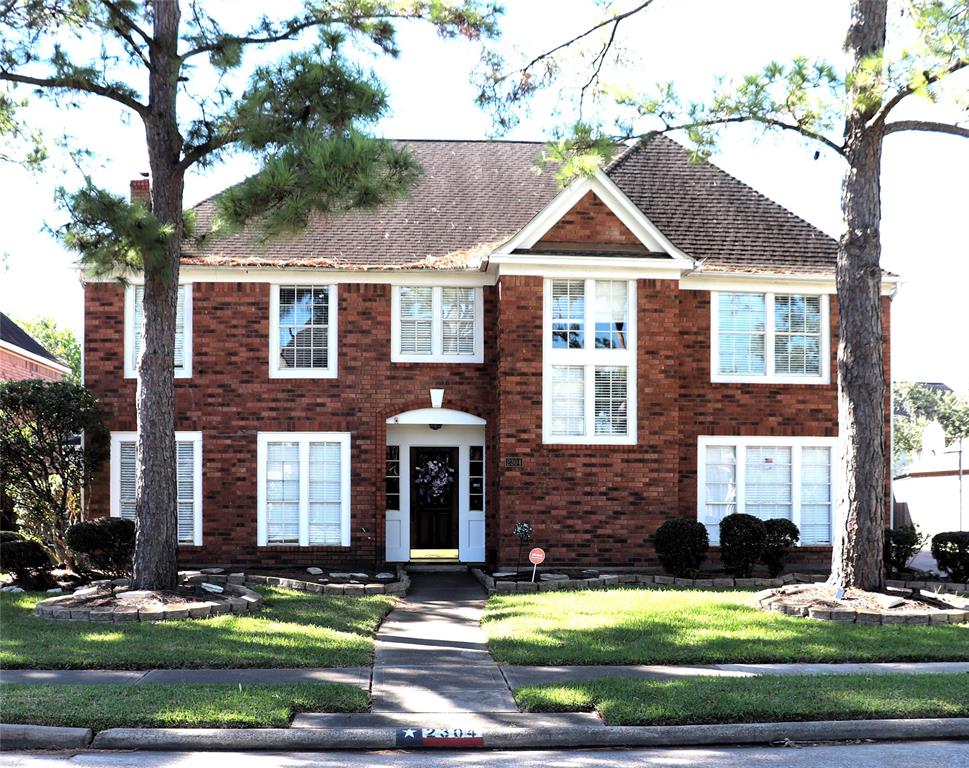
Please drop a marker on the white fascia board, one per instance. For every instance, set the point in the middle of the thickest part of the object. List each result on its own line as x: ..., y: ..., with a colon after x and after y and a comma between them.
x: 615, y: 200
x: 33, y: 357
x: 759, y: 283
x: 603, y: 267
x: 317, y: 276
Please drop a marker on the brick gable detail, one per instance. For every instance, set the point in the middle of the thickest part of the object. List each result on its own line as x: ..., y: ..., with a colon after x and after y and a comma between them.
x: 589, y: 221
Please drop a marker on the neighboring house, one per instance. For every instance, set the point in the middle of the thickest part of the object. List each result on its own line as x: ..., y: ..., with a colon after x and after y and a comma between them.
x: 933, y: 490
x: 21, y: 357
x: 655, y: 341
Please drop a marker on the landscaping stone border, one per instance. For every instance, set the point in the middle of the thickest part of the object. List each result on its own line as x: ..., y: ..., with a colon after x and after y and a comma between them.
x: 240, y: 600
x: 626, y: 580
x: 397, y: 588
x: 773, y: 600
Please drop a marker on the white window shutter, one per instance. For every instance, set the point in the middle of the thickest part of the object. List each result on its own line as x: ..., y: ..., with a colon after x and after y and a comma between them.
x: 129, y: 479
x: 185, y: 474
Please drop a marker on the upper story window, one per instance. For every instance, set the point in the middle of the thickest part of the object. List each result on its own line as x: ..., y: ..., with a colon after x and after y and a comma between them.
x: 437, y: 324
x: 303, y: 331
x: 134, y: 321
x: 770, y: 337
x: 303, y: 488
x: 589, y: 370
x: 188, y: 473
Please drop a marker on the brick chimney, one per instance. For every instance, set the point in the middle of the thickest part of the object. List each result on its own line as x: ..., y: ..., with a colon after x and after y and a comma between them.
x: 141, y: 192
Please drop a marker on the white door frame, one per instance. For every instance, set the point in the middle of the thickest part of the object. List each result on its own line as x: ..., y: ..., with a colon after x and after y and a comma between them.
x: 471, y: 523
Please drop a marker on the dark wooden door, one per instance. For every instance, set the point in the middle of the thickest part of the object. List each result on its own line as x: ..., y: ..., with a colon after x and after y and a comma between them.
x: 434, y: 498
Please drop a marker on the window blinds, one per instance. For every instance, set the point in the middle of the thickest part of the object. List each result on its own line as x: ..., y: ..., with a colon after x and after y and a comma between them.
x: 139, y: 319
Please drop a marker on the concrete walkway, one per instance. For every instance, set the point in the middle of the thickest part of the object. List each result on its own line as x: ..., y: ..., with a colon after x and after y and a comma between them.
x: 431, y: 655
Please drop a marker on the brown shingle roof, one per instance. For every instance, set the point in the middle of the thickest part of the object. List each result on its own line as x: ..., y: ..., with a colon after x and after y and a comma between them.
x: 471, y: 197
x: 474, y: 195
x: 716, y: 218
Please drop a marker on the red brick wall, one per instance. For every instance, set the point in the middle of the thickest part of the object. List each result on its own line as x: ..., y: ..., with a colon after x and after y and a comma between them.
x: 589, y: 221
x: 13, y: 367
x: 230, y: 398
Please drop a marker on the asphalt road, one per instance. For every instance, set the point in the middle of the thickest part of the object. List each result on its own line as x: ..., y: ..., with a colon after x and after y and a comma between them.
x: 900, y: 755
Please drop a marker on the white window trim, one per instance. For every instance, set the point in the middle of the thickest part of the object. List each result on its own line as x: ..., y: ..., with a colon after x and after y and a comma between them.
x: 795, y: 444
x: 437, y: 334
x: 180, y: 437
x: 589, y: 358
x: 304, y: 439
x: 769, y: 377
x: 330, y: 372
x: 130, y: 366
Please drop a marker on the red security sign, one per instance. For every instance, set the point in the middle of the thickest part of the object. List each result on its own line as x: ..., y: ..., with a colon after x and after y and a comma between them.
x: 536, y: 556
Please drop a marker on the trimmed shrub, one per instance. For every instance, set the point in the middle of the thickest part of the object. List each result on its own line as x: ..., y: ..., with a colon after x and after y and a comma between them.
x: 681, y: 546
x: 901, y: 545
x: 27, y: 560
x: 10, y: 536
x: 742, y: 539
x: 782, y: 534
x: 951, y: 552
x: 106, y: 544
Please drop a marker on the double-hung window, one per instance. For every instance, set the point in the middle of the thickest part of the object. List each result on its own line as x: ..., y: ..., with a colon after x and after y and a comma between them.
x: 303, y: 332
x: 437, y: 324
x: 188, y: 474
x: 303, y: 489
x: 134, y: 324
x: 589, y: 361
x: 768, y: 477
x: 770, y: 337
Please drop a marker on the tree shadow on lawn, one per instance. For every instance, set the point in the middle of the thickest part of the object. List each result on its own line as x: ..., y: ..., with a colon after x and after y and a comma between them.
x: 293, y: 630
x: 584, y: 632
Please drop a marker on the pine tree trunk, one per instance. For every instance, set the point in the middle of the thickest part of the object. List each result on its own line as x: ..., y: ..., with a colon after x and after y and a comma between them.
x: 857, y: 555
x: 156, y: 521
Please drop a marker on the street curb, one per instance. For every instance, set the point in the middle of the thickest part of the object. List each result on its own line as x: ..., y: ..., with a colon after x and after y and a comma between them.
x: 306, y: 739
x: 16, y: 736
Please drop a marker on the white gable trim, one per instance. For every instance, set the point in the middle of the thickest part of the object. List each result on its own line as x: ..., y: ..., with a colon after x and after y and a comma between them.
x: 615, y: 200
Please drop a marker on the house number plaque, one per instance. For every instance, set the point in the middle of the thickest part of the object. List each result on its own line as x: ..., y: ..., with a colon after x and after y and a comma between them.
x: 514, y: 461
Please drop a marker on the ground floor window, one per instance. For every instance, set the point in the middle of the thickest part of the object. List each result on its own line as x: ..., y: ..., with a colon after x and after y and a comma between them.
x: 188, y: 471
x: 768, y: 477
x: 304, y: 488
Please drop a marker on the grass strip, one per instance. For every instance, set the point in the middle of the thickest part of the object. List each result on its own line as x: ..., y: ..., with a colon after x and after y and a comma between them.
x: 695, y: 700
x: 173, y: 706
x: 294, y: 629
x: 687, y: 626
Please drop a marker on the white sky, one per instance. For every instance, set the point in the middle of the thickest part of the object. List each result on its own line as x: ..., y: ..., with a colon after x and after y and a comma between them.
x: 925, y: 182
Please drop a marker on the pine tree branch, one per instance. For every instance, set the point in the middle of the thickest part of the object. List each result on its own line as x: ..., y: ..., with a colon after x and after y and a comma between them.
x: 68, y: 83
x: 930, y: 78
x: 898, y: 126
x: 769, y: 121
x: 128, y: 22
x: 197, y: 152
x: 129, y: 27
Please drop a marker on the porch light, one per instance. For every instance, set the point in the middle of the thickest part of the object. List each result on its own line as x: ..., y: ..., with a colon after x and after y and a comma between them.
x: 437, y: 398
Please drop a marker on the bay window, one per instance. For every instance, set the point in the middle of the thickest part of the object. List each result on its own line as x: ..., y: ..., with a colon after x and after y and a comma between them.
x: 768, y: 477
x: 770, y: 337
x: 589, y: 361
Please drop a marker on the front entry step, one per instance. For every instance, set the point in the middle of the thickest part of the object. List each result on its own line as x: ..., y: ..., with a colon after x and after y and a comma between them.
x: 436, y: 568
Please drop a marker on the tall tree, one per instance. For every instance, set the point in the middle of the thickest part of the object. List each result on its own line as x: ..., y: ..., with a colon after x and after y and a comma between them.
x: 847, y: 110
x: 302, y: 118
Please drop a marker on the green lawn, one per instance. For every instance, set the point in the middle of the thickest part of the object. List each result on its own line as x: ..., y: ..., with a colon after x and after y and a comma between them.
x: 172, y: 706
x: 673, y: 626
x: 294, y: 629
x: 695, y: 700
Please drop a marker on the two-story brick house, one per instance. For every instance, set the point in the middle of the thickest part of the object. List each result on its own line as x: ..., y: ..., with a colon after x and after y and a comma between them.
x: 658, y: 340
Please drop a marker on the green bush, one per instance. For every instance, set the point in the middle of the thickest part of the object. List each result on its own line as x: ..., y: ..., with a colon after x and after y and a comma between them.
x: 27, y: 560
x: 10, y: 536
x: 901, y: 545
x: 782, y: 534
x: 951, y: 552
x: 106, y: 544
x: 681, y: 545
x: 742, y: 539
